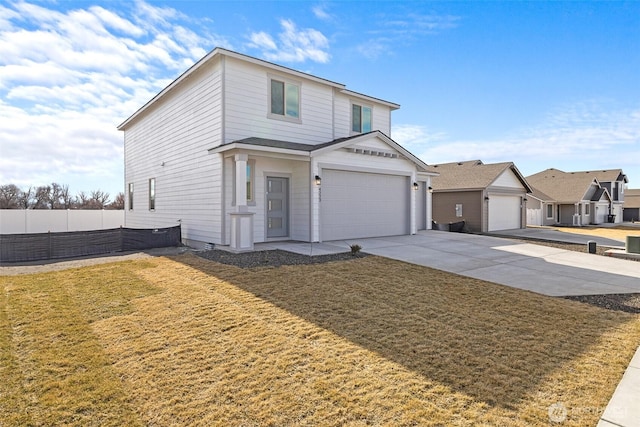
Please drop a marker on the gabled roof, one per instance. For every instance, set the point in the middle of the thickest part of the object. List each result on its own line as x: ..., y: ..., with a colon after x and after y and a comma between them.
x: 563, y: 187
x: 597, y: 195
x: 606, y: 175
x: 275, y: 67
x: 311, y: 150
x: 472, y: 175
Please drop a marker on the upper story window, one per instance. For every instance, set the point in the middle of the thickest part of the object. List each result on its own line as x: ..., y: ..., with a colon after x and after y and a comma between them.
x: 285, y: 99
x: 360, y: 118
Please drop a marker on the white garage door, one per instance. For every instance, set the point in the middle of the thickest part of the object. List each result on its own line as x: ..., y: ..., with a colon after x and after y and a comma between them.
x: 504, y: 212
x: 358, y: 204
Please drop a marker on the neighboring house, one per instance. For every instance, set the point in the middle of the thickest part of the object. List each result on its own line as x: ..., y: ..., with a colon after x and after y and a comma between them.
x: 576, y: 198
x: 488, y: 197
x: 631, y: 208
x: 239, y: 150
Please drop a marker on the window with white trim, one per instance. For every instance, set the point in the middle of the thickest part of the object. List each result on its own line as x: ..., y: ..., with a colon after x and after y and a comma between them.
x: 549, y: 211
x: 459, y: 210
x: 131, y: 196
x: 360, y: 118
x: 152, y: 194
x: 587, y: 209
x: 285, y: 99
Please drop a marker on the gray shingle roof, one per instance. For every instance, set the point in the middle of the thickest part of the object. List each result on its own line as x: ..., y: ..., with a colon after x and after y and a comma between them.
x: 563, y: 187
x: 264, y: 142
x: 470, y: 175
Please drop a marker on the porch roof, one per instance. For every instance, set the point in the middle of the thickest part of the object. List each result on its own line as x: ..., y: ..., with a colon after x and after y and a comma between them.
x: 274, y: 145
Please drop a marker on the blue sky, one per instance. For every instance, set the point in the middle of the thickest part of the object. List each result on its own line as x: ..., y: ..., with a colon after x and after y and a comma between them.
x: 542, y: 84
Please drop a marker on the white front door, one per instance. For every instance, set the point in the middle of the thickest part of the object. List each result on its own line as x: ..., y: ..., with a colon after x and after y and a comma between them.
x: 277, y: 207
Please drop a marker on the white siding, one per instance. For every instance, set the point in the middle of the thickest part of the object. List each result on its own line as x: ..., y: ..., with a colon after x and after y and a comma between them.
x: 247, y: 106
x: 299, y: 185
x: 507, y: 179
x: 380, y: 115
x: 177, y: 133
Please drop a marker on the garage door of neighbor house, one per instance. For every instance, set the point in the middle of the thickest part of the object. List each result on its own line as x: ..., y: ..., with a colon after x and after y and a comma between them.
x: 359, y: 204
x: 504, y: 212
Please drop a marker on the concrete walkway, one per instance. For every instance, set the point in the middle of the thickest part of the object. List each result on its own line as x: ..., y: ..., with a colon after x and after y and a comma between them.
x: 536, y: 268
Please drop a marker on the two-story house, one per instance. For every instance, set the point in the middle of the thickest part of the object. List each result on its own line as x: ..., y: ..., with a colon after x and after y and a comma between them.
x: 239, y: 150
x: 576, y: 198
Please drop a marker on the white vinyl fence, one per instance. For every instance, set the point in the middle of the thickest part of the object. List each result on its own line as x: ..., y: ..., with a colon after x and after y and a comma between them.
x: 21, y: 221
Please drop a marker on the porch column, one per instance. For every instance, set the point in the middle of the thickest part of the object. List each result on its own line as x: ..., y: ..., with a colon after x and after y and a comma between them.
x: 315, y: 200
x: 241, y: 219
x: 412, y: 205
x: 241, y: 182
x: 429, y: 204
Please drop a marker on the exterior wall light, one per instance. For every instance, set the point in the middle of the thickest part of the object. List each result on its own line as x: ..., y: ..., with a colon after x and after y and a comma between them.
x: 486, y: 198
x: 318, y: 180
x: 416, y: 186
x: 430, y: 189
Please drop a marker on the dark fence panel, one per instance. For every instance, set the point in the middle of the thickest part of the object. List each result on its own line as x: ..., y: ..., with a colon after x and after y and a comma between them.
x: 41, y: 246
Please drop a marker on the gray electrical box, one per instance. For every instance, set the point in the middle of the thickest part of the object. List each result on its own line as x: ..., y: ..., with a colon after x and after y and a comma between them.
x: 633, y: 244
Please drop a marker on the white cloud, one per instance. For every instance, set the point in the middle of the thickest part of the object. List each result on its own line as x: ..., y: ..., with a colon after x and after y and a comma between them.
x: 320, y: 12
x: 68, y: 78
x: 295, y: 45
x: 578, y: 137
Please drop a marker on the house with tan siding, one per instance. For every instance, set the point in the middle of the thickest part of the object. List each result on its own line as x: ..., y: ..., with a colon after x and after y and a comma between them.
x: 487, y: 197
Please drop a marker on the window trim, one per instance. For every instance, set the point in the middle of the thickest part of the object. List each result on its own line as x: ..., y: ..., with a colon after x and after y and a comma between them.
x: 130, y: 194
x: 362, y: 107
x: 285, y: 81
x: 549, y: 205
x: 458, y: 210
x: 152, y: 194
x: 587, y: 209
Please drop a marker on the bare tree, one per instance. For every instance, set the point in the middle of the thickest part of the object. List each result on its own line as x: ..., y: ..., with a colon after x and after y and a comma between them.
x: 9, y: 195
x: 66, y: 199
x: 100, y: 199
x: 118, y: 202
x: 83, y: 201
x: 25, y: 199
x: 42, y: 197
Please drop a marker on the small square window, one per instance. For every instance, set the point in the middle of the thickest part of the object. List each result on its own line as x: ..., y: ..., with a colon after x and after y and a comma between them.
x: 360, y: 118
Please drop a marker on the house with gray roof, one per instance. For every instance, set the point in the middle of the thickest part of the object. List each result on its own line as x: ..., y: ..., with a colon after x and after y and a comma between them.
x: 576, y: 198
x: 487, y: 197
x: 239, y: 150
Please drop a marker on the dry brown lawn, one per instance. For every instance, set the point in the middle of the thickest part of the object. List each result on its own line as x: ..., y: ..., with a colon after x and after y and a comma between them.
x: 372, y: 341
x: 618, y: 233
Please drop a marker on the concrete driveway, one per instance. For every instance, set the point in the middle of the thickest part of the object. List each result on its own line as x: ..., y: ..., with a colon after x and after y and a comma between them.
x: 541, y: 269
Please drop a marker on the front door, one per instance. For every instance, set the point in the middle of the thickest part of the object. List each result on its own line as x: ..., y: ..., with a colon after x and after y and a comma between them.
x: 277, y: 207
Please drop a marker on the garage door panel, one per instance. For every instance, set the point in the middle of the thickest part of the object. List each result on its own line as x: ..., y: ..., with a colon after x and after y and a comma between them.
x: 359, y: 204
x: 504, y: 212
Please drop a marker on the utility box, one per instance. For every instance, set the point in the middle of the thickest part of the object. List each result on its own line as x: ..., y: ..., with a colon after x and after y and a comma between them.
x: 633, y: 244
x: 592, y: 246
